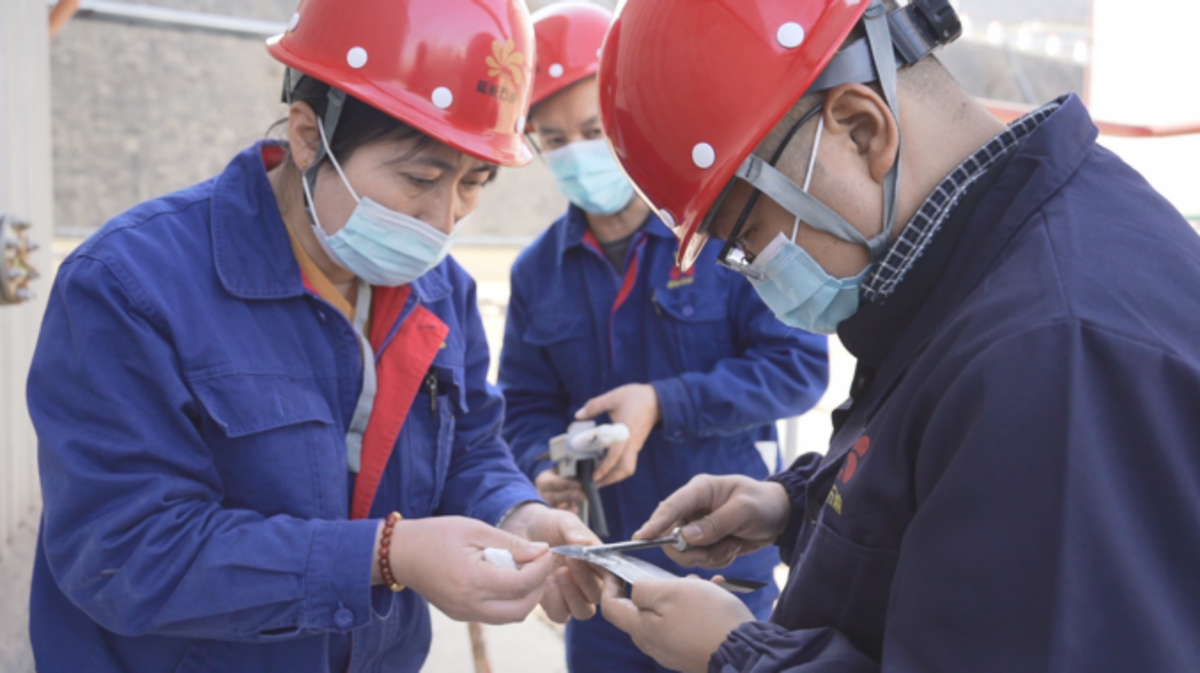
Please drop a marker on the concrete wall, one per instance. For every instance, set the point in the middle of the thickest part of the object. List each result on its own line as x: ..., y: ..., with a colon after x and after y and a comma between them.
x: 25, y: 190
x: 141, y: 110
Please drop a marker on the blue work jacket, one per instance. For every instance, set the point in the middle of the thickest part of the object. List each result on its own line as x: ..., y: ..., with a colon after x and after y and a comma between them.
x: 191, y: 400
x: 1016, y: 483
x: 723, y: 367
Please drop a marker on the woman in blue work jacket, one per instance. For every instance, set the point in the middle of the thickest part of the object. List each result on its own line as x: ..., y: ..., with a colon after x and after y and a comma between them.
x: 265, y: 434
x: 602, y: 325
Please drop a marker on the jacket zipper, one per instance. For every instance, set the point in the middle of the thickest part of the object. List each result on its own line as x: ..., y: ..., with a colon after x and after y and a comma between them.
x: 657, y: 306
x: 431, y: 383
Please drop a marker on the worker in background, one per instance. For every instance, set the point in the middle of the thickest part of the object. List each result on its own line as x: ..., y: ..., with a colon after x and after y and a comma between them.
x: 1014, y: 484
x: 601, y: 325
x: 265, y: 435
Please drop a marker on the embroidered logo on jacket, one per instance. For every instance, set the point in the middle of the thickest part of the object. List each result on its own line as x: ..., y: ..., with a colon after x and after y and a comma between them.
x: 857, y: 453
x: 681, y: 278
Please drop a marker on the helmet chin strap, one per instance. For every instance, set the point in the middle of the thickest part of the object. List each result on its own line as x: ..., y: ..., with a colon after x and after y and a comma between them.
x: 336, y: 101
x: 812, y: 163
x: 796, y: 199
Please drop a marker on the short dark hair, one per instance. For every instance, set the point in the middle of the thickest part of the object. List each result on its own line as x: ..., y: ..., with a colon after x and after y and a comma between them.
x: 360, y: 124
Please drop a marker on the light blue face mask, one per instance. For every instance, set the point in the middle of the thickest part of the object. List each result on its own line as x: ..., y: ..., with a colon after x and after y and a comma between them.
x: 588, y: 174
x: 381, y: 246
x: 798, y: 291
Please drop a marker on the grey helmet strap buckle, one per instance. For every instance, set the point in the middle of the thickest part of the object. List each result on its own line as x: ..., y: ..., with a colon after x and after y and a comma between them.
x: 879, y: 37
x: 333, y: 113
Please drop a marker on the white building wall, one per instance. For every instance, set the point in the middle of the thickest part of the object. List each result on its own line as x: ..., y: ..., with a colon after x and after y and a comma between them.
x: 25, y: 191
x: 1144, y: 71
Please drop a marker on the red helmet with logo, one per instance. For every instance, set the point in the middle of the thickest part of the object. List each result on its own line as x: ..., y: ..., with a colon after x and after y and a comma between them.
x: 569, y: 37
x: 457, y: 70
x: 689, y: 88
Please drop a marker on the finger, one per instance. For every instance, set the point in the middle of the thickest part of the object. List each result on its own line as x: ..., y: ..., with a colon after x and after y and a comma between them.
x: 717, y: 555
x: 587, y: 578
x: 625, y: 469
x: 553, y: 602
x: 718, y: 524
x: 498, y: 612
x: 553, y: 482
x: 523, y: 551
x: 694, y: 498
x: 618, y: 610
x: 573, y: 531
x: 648, y: 593
x: 518, y: 584
x: 594, y: 407
x: 561, y: 500
x: 611, y: 459
x: 578, y: 604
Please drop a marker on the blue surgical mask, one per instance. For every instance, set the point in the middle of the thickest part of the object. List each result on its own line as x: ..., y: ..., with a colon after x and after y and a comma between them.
x: 793, y: 285
x: 381, y: 246
x: 588, y: 174
x: 799, y: 292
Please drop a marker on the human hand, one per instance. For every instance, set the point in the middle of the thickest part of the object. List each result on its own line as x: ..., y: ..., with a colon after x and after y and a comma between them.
x: 573, y: 588
x: 635, y: 405
x: 441, y: 558
x: 560, y: 492
x: 722, y: 518
x: 679, y: 623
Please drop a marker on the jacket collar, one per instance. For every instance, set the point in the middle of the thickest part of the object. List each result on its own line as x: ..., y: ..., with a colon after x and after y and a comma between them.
x: 575, y: 228
x: 251, y: 250
x: 888, y: 337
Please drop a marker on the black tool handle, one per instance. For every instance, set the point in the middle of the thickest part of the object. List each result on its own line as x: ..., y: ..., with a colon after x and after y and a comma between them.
x: 593, y: 509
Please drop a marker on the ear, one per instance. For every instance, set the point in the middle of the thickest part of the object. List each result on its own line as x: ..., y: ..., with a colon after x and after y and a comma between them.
x: 862, y: 117
x: 304, y: 138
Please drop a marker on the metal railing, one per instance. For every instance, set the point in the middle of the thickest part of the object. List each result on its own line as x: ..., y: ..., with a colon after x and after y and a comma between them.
x: 178, y: 18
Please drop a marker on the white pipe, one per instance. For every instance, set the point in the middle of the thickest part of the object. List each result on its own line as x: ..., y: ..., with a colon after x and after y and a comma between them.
x: 179, y: 17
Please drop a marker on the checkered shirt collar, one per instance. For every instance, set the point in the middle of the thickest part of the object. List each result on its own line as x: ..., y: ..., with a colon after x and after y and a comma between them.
x: 915, y: 238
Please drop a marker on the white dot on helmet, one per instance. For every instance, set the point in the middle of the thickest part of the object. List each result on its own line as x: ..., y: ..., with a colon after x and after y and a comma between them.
x: 442, y: 97
x: 667, y: 218
x: 703, y: 155
x: 790, y: 35
x: 556, y: 70
x: 294, y: 22
x: 356, y: 57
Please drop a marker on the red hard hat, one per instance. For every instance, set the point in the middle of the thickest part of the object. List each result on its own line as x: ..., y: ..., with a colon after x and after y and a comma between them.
x: 689, y: 88
x: 569, y: 37
x: 457, y: 70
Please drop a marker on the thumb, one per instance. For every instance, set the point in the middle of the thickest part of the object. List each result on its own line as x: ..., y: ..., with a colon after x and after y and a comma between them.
x: 594, y: 407
x: 618, y: 610
x: 524, y: 551
x: 710, y: 529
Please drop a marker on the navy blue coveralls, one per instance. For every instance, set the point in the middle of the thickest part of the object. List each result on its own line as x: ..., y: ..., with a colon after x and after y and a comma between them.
x: 723, y: 367
x: 1016, y: 484
x: 191, y: 400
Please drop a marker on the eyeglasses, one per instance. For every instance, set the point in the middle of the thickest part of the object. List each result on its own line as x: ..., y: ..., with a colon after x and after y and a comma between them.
x: 732, y: 256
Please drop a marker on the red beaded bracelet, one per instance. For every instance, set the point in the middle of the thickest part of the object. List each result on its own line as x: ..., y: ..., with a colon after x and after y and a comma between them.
x: 385, y: 568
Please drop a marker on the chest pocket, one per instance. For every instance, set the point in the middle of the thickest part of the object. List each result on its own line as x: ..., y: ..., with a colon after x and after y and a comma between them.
x: 565, y: 336
x: 274, y: 442
x: 426, y: 444
x: 697, y: 324
x: 839, y: 582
